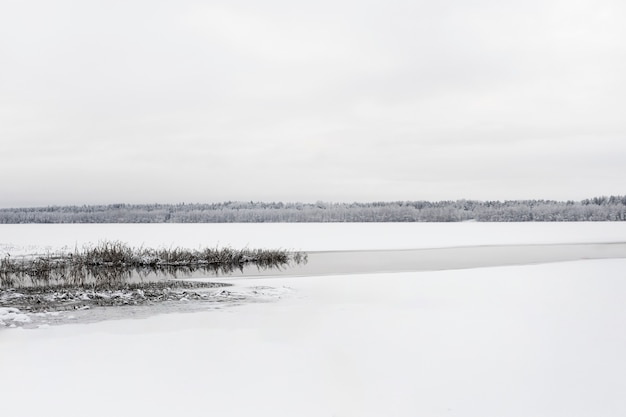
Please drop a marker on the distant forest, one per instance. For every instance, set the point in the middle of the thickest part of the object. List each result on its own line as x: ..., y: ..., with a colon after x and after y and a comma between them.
x: 611, y: 208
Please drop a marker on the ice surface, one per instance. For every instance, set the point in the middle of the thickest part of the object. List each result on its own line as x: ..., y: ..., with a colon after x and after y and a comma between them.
x: 40, y: 238
x: 542, y: 340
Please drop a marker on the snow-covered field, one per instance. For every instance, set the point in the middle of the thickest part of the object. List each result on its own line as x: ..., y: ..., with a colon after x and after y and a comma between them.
x: 535, y: 340
x: 31, y: 238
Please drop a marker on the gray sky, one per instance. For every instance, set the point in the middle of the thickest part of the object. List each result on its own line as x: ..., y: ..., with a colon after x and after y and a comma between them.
x: 191, y: 101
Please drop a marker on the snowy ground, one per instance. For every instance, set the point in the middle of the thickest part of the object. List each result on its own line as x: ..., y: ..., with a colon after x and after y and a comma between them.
x: 540, y: 340
x: 32, y: 238
x: 543, y: 340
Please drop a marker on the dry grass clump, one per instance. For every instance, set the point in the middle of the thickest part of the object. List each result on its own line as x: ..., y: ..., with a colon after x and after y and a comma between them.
x: 111, y: 263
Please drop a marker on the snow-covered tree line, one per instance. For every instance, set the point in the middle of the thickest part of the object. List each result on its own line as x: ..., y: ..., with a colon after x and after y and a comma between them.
x: 611, y: 208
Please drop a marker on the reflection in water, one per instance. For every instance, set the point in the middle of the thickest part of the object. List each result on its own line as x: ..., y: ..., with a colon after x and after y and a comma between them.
x: 110, y: 277
x: 112, y: 264
x: 317, y: 263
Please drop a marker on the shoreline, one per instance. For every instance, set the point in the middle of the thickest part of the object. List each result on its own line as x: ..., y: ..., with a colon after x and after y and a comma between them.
x: 205, y: 292
x: 322, y: 263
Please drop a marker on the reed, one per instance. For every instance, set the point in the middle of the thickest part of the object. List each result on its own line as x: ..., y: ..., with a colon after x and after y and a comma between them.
x: 110, y: 264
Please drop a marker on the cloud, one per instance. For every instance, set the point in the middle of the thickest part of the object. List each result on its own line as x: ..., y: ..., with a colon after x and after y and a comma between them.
x: 342, y: 100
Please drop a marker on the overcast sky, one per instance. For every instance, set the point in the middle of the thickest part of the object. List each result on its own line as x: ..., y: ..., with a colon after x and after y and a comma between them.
x: 202, y: 101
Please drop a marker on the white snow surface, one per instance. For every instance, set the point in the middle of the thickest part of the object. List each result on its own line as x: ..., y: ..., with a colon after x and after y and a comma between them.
x: 541, y: 340
x: 536, y: 340
x: 23, y: 239
x: 9, y: 316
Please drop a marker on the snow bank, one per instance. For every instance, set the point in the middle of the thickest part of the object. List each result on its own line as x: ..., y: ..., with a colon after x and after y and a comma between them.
x: 10, y: 316
x: 543, y: 340
x: 40, y: 238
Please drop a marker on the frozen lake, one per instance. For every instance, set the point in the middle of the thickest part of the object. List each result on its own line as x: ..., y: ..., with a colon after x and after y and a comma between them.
x: 472, y: 341
x: 32, y: 238
x: 344, y: 248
